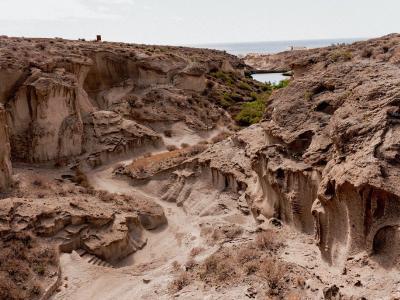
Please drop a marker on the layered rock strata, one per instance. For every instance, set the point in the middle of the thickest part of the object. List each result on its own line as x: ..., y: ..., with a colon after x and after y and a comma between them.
x: 58, y: 93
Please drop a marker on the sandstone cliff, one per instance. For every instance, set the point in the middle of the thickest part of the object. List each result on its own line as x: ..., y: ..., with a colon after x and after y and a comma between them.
x: 5, y: 163
x: 54, y: 92
x: 332, y: 149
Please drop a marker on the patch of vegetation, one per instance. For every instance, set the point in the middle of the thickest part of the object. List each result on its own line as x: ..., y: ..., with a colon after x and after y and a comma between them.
x: 220, y: 137
x: 366, y: 53
x: 341, y: 55
x: 256, y: 261
x: 244, y: 86
x: 252, y: 112
x: 226, y: 100
x: 282, y: 84
x: 22, y: 262
x: 81, y: 179
x: 171, y: 147
x: 226, y: 77
x: 179, y: 282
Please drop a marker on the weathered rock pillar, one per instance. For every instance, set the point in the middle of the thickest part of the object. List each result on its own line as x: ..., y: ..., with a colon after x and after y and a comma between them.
x: 5, y: 162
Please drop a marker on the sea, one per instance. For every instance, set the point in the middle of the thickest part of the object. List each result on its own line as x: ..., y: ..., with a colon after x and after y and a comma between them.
x: 275, y: 46
x: 241, y: 49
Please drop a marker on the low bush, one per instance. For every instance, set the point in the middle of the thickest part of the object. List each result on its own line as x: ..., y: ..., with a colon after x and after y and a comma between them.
x: 268, y: 240
x: 196, y: 251
x: 168, y: 133
x: 341, y: 55
x: 366, y: 53
x: 81, y: 179
x: 282, y: 84
x: 220, y: 137
x: 226, y: 100
x: 171, y: 148
x: 226, y: 77
x: 184, y: 145
x: 23, y: 260
x: 182, y: 280
x: 39, y: 182
x: 251, y: 112
x: 245, y: 86
x: 273, y: 272
x: 220, y: 267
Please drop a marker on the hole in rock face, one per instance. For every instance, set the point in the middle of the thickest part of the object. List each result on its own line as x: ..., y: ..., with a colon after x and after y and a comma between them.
x: 383, y: 239
x: 323, y: 87
x: 386, y: 245
x: 302, y: 142
x: 330, y: 189
x: 325, y: 107
x: 280, y: 174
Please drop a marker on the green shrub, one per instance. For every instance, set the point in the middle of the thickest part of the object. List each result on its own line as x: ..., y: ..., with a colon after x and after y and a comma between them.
x: 226, y: 100
x: 244, y: 86
x: 252, y: 112
x: 282, y: 84
x: 269, y: 87
x: 226, y: 77
x: 266, y: 87
x: 341, y: 55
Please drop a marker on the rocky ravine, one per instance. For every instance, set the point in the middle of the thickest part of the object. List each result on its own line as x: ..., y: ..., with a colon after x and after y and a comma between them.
x: 323, y: 161
x: 68, y: 106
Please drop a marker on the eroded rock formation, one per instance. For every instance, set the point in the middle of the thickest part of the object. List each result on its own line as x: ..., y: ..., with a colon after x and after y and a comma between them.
x: 59, y: 93
x: 336, y: 146
x: 5, y: 163
x: 109, y: 226
x: 325, y: 157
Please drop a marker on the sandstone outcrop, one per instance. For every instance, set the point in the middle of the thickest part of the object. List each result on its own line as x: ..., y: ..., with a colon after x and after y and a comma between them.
x: 58, y: 92
x: 5, y: 163
x: 109, y: 226
x: 45, y: 119
x: 332, y: 153
x: 107, y: 135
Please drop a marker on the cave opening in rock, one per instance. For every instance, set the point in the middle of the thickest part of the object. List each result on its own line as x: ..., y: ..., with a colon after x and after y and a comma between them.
x: 386, y: 245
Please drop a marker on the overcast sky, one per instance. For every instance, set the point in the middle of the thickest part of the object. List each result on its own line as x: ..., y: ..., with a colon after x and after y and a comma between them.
x: 199, y: 21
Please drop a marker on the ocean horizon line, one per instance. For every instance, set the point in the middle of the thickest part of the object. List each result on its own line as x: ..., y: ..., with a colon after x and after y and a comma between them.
x: 278, y: 41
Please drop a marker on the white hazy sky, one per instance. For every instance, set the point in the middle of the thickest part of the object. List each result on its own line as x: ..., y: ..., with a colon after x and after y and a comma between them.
x: 199, y: 21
